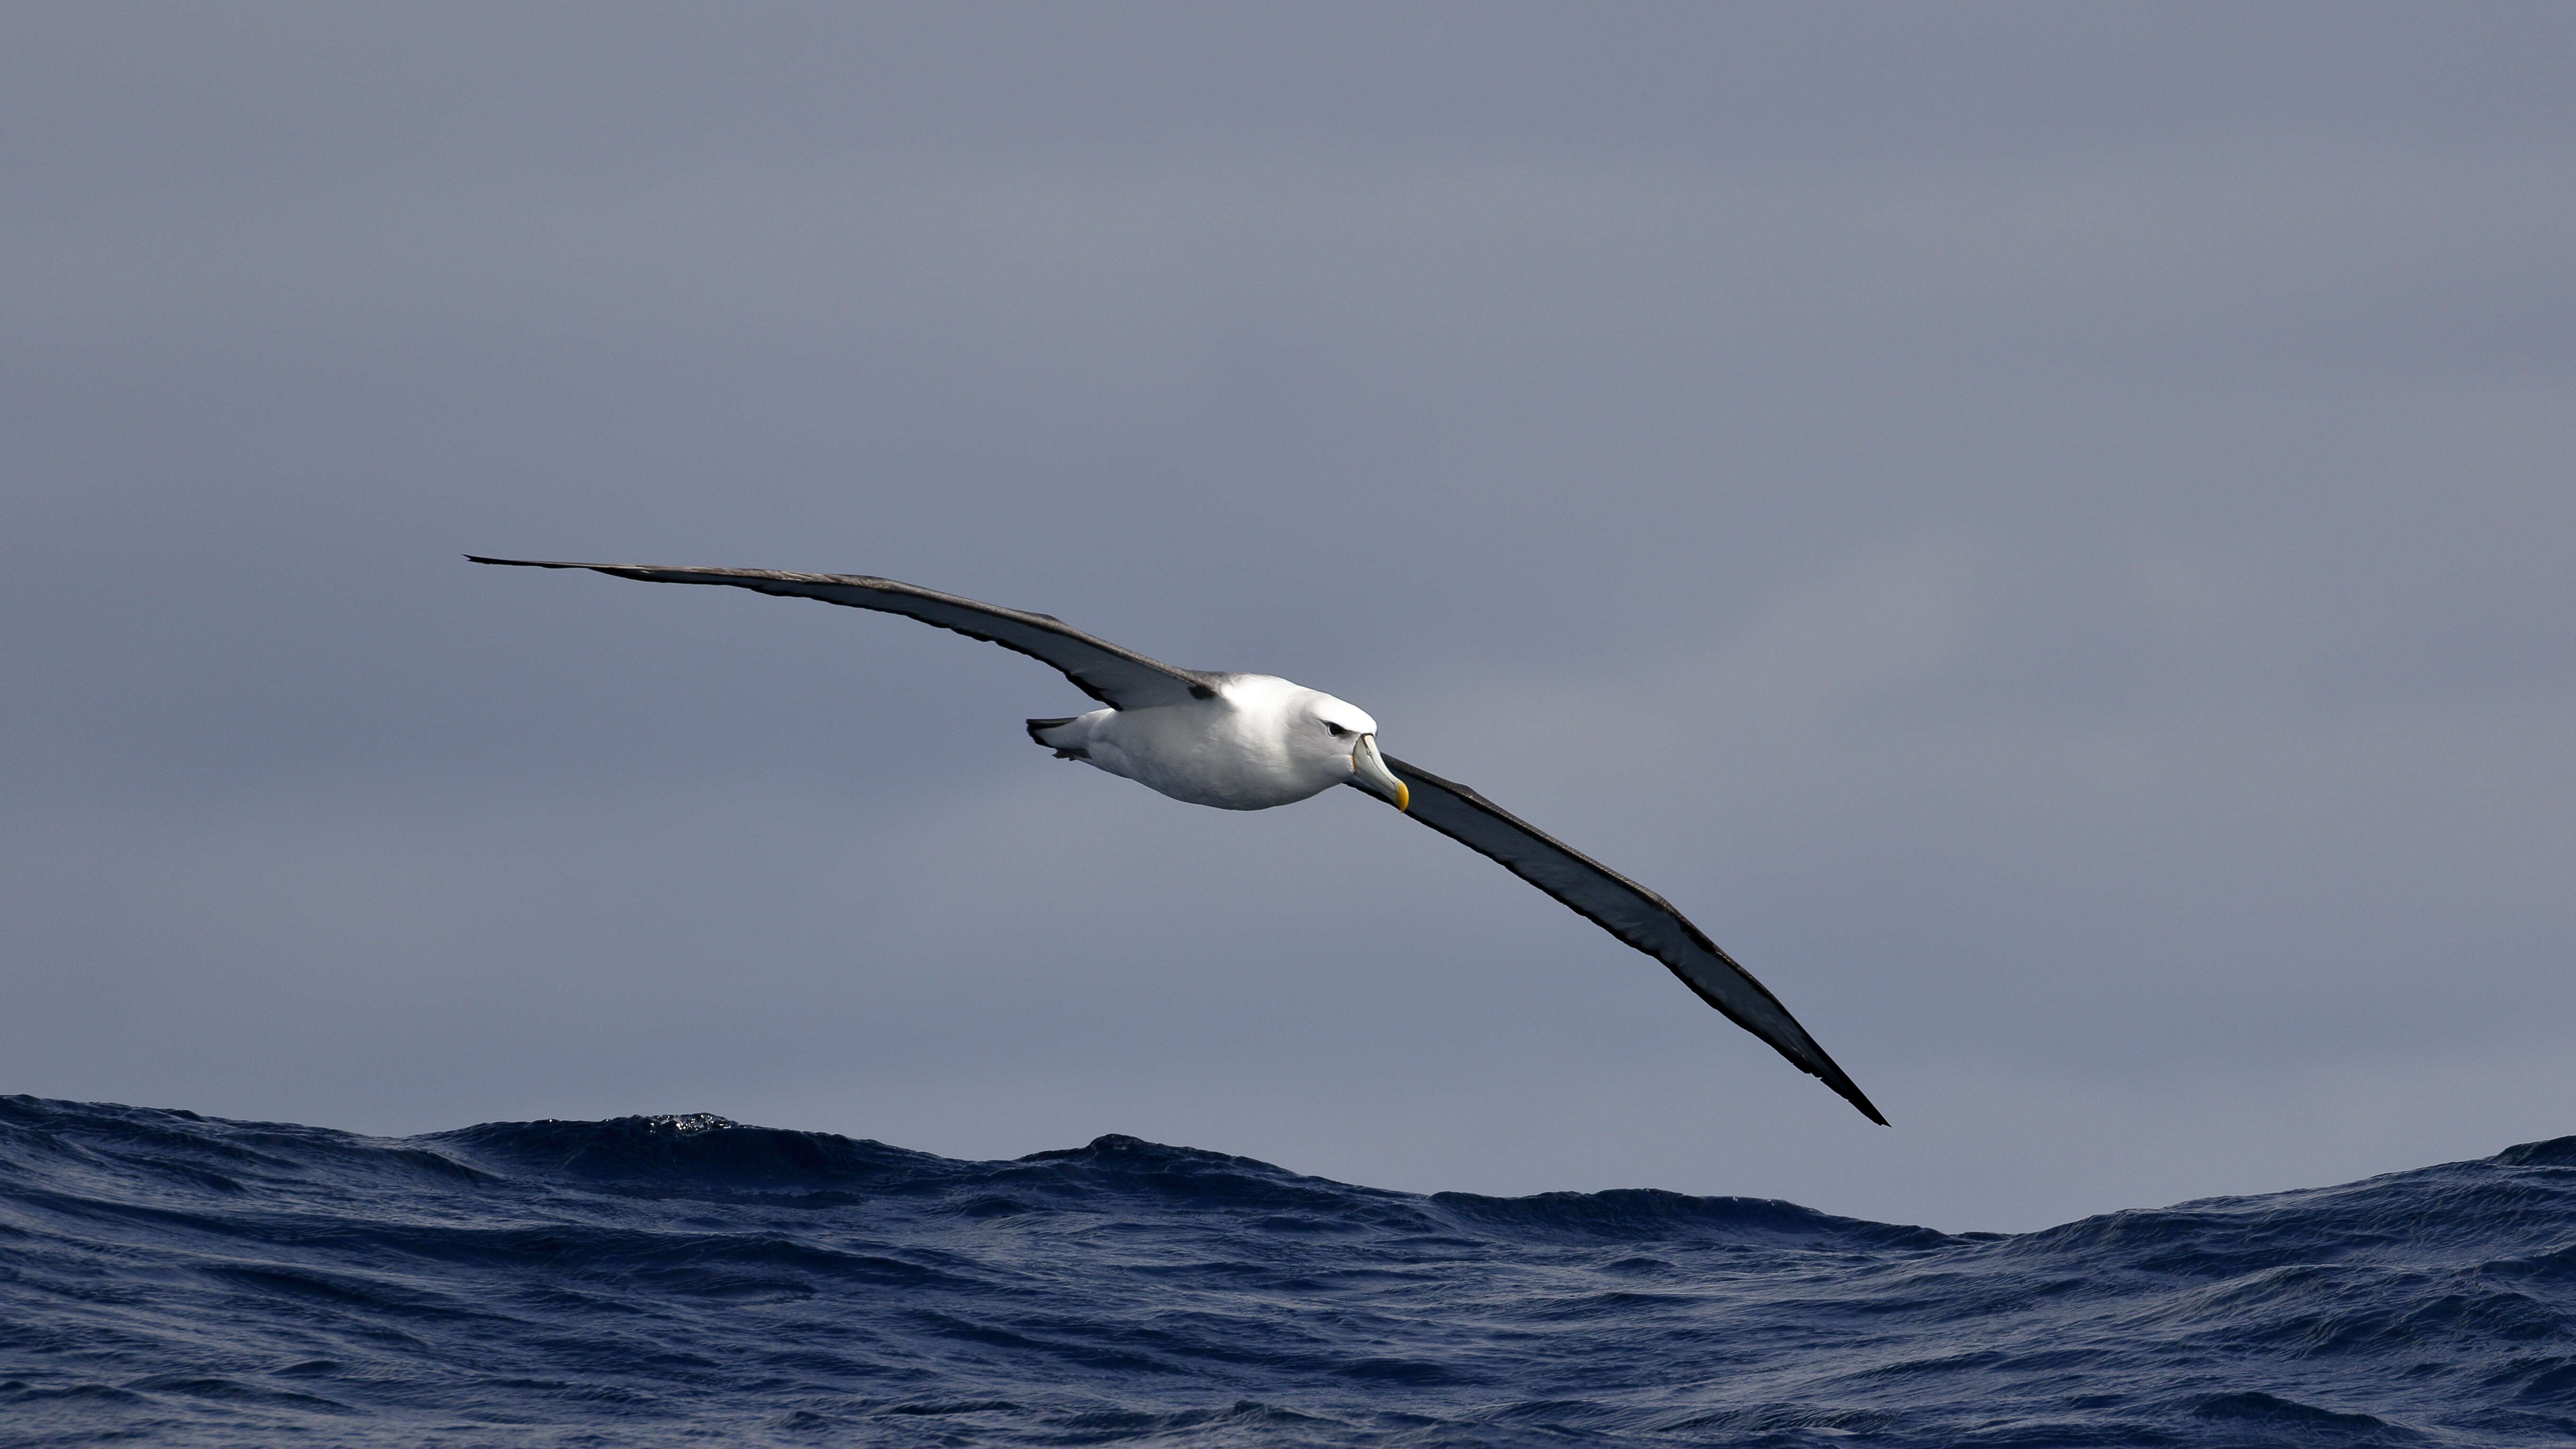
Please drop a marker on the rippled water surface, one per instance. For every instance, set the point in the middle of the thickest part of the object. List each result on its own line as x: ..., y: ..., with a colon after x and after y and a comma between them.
x: 656, y: 1280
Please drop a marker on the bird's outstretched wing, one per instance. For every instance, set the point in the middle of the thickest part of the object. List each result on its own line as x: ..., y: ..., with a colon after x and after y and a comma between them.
x: 1625, y: 909
x: 1119, y: 678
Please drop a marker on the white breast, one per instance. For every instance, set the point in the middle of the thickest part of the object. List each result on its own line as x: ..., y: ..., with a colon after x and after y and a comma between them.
x: 1233, y: 751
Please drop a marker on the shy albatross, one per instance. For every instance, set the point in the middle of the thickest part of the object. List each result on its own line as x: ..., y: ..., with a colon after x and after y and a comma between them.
x: 1254, y: 741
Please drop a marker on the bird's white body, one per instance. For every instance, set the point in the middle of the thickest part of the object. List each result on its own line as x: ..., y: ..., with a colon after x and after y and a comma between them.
x: 1257, y: 741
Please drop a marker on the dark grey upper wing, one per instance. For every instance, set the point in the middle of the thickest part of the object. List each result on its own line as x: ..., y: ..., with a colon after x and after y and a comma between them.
x: 1119, y: 678
x: 1626, y: 910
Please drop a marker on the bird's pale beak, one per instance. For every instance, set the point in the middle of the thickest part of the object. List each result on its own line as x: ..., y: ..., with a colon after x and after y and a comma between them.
x: 1369, y: 765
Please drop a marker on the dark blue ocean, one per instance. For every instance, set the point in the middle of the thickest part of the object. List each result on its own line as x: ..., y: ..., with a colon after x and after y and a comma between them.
x: 167, y: 1278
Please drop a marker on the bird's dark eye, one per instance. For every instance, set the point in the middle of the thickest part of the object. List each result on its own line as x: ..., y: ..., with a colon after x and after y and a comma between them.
x: 1337, y: 730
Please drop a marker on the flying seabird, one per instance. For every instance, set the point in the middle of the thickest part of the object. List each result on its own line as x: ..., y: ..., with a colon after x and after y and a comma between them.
x: 1253, y: 741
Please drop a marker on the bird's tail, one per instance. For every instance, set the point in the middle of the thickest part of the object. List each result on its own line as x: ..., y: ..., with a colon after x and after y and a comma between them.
x: 1039, y: 729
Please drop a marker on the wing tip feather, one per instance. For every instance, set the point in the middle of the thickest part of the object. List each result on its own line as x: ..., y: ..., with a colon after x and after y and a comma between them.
x: 1858, y: 1098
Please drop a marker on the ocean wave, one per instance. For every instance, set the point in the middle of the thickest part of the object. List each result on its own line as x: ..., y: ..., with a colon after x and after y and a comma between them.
x: 166, y: 1277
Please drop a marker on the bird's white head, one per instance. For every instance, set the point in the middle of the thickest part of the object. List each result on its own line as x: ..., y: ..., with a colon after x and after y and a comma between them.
x: 1339, y: 736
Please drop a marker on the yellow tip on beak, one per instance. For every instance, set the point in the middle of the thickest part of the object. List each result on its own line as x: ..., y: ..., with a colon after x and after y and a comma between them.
x: 1369, y: 765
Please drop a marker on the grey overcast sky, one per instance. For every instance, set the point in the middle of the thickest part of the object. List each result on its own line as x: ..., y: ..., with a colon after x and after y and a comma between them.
x: 2047, y: 529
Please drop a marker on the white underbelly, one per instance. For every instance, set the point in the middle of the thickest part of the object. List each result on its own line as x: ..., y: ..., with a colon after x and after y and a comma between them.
x: 1193, y: 753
